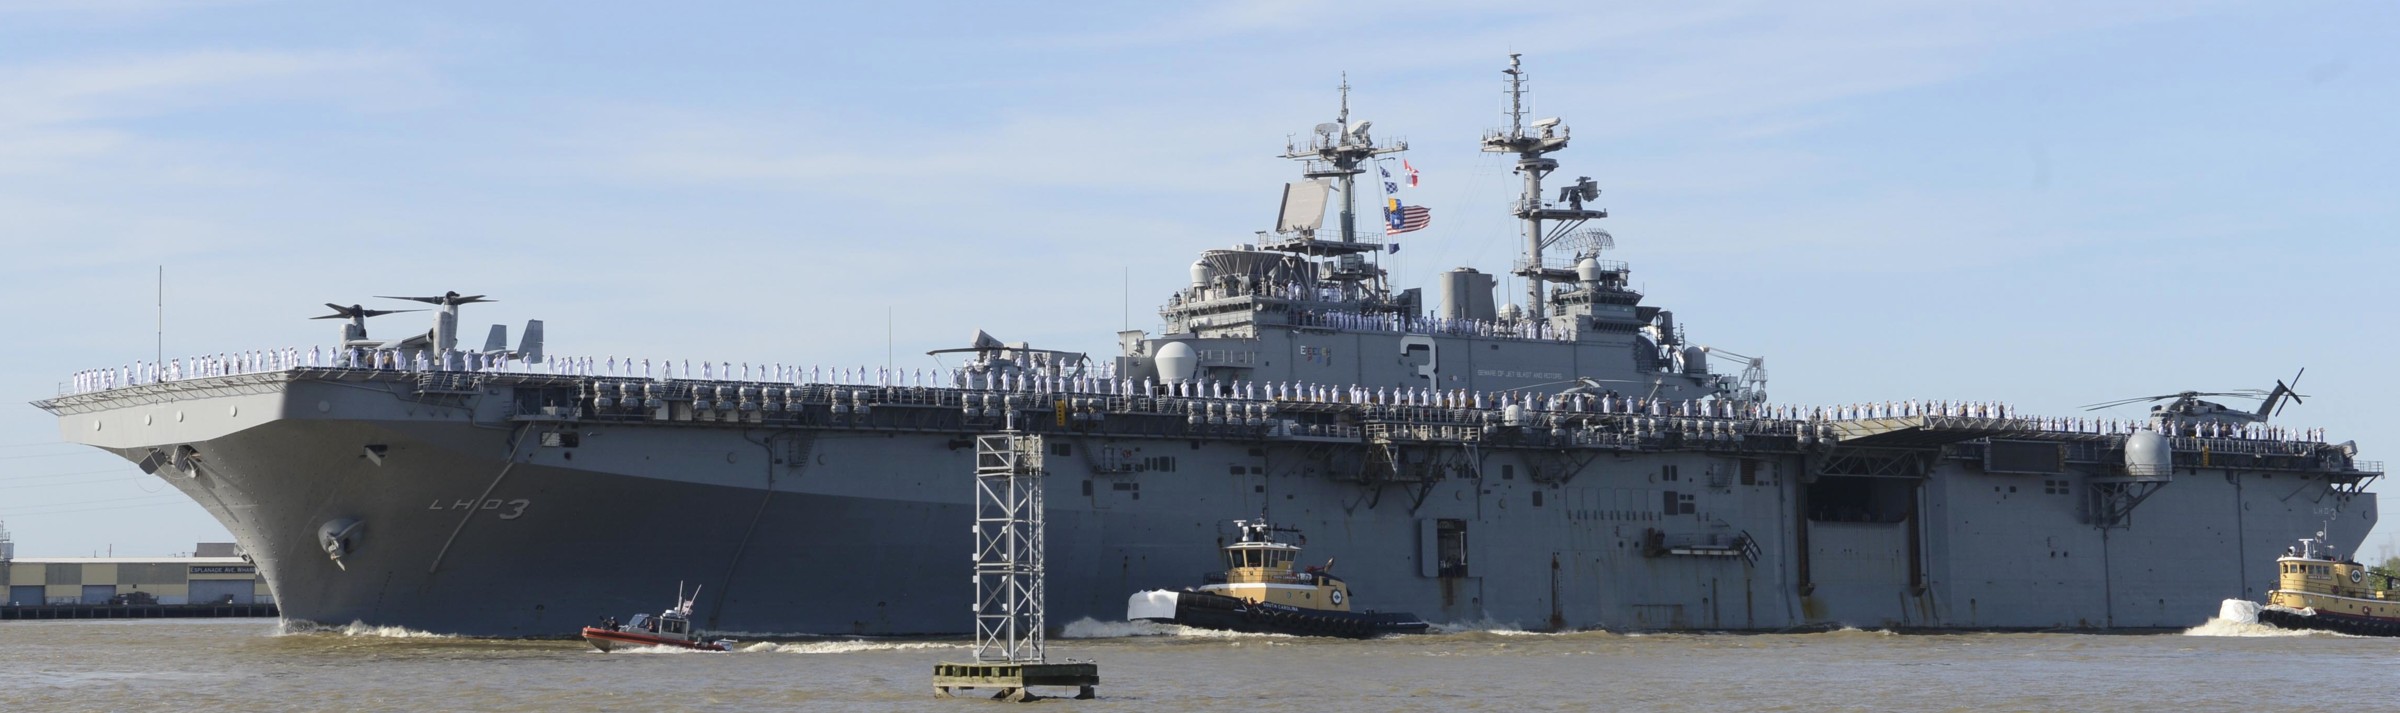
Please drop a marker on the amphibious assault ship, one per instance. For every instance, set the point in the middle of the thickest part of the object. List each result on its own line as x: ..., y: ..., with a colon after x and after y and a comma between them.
x: 1571, y: 460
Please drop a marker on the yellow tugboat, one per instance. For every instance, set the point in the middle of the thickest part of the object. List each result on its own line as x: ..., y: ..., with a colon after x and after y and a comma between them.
x: 2321, y: 590
x: 1260, y: 593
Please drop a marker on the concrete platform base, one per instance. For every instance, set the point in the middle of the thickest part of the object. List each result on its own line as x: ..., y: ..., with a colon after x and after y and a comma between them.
x: 1013, y: 681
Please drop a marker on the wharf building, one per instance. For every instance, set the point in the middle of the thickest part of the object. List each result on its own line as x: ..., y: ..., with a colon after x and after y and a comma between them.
x: 215, y: 573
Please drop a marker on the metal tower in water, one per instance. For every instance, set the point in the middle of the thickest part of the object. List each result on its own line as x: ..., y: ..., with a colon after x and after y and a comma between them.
x: 1010, y: 651
x: 1008, y: 549
x: 1547, y: 135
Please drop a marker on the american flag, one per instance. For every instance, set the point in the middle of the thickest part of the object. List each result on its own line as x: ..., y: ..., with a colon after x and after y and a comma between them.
x: 1407, y: 218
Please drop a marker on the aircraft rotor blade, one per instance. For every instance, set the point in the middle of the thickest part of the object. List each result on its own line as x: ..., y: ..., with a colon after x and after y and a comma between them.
x: 2121, y: 402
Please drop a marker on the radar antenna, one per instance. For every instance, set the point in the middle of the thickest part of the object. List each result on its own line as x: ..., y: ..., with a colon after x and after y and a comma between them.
x: 1531, y: 148
x: 1338, y: 150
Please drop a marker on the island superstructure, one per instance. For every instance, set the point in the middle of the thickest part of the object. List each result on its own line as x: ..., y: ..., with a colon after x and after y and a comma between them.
x: 1567, y: 461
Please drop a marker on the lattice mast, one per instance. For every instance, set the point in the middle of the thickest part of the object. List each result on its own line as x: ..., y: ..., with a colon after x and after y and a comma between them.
x: 1009, y: 614
x: 1547, y: 135
x: 1340, y: 151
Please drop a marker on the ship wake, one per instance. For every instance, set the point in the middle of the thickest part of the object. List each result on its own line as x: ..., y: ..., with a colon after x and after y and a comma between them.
x: 287, y: 627
x: 1089, y: 628
x: 844, y: 647
x: 2238, y: 617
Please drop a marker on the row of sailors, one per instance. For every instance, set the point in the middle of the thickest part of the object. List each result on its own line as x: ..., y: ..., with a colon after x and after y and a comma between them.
x: 233, y: 363
x: 1914, y: 407
x: 413, y: 360
x: 782, y: 373
x: 1988, y: 409
x: 224, y: 364
x: 1523, y: 329
x: 1225, y: 286
x: 272, y: 360
x: 2245, y: 431
x: 1613, y: 403
x: 1236, y: 286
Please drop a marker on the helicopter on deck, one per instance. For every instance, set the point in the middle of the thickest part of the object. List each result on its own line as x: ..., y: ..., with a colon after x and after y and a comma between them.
x: 2189, y: 408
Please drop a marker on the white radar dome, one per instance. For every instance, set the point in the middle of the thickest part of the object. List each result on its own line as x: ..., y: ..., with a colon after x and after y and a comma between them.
x: 1201, y: 274
x: 1587, y: 270
x: 2147, y: 454
x: 1176, y: 361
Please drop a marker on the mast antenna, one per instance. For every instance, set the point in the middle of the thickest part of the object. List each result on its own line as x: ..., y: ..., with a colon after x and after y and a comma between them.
x: 1339, y: 151
x: 1533, y: 163
x: 1516, y: 95
x: 1344, y: 117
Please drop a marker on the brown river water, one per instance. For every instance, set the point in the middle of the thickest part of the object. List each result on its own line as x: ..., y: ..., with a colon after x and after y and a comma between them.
x: 253, y: 665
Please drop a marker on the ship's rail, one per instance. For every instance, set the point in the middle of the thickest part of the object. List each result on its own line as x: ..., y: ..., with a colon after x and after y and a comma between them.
x: 1353, y: 415
x: 1526, y: 330
x: 626, y: 390
x: 1567, y: 263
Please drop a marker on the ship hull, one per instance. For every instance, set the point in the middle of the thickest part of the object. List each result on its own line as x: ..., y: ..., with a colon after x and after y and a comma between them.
x: 1212, y: 611
x: 608, y: 640
x: 2312, y: 619
x: 470, y: 520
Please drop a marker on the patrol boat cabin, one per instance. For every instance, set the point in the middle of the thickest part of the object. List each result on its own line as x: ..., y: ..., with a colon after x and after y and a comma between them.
x: 672, y: 627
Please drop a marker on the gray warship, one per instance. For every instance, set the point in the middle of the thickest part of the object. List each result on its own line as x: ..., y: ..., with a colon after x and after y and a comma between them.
x: 1572, y: 460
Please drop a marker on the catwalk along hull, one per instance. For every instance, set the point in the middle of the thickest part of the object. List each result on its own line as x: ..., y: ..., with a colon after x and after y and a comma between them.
x: 500, y: 505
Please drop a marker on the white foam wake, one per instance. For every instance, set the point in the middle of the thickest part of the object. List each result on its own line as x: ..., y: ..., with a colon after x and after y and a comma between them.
x: 2239, y: 617
x: 1089, y: 628
x: 844, y: 647
x: 1486, y: 625
x: 288, y: 627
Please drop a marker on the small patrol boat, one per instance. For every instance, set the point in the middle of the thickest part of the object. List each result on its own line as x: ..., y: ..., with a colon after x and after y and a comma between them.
x: 1259, y: 593
x: 672, y: 627
x: 2319, y: 589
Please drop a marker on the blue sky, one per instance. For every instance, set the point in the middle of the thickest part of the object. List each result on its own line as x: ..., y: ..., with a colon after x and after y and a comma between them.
x: 2049, y: 203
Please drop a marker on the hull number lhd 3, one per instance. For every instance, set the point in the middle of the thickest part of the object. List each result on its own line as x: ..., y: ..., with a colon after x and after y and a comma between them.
x: 508, y: 509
